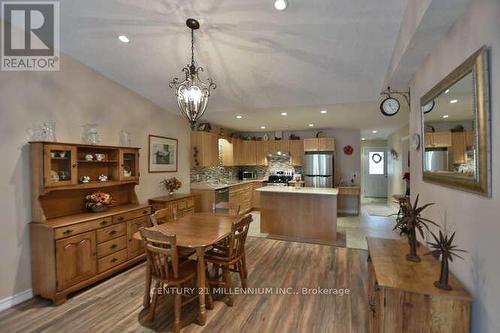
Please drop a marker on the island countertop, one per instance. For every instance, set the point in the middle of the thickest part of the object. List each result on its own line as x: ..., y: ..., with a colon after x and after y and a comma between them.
x: 299, y: 190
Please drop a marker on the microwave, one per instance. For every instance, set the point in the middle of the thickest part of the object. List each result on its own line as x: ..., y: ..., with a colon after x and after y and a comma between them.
x: 244, y: 175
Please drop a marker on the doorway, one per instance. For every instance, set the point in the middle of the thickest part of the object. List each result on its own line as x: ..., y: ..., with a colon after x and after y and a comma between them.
x: 375, y: 169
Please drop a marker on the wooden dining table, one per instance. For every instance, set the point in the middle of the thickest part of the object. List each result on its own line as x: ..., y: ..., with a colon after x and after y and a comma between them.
x: 197, y: 231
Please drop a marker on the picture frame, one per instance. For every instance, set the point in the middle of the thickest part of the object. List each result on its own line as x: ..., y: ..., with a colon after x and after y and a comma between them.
x: 162, y: 154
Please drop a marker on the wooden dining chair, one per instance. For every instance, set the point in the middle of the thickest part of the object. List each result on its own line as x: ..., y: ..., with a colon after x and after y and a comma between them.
x: 229, y: 207
x: 231, y: 257
x: 164, y: 268
x: 163, y: 215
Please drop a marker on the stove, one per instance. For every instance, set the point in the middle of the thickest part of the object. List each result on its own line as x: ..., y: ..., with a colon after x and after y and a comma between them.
x: 279, y: 180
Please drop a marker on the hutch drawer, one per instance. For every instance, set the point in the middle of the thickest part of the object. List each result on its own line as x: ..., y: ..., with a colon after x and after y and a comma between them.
x: 112, y: 260
x: 131, y: 215
x: 78, y: 228
x: 111, y: 246
x: 111, y: 232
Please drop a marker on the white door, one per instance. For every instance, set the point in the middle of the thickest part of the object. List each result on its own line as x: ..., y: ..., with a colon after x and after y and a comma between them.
x: 375, y: 172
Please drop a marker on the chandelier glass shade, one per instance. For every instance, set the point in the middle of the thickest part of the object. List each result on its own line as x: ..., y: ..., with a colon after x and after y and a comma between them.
x: 192, y: 93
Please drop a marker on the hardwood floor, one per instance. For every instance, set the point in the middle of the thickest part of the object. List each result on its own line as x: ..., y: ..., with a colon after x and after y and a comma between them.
x: 115, y: 305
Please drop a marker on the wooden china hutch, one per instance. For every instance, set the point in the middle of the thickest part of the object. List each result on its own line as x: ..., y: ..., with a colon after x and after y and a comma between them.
x: 72, y: 247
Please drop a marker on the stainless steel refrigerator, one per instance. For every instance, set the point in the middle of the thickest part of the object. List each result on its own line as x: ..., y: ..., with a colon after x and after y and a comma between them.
x: 318, y: 169
x: 436, y: 159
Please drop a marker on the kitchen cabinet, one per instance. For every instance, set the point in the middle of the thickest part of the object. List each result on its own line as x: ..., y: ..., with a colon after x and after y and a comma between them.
x: 204, y: 149
x: 241, y: 195
x: 279, y: 146
x: 261, y: 151
x: 438, y: 139
x: 296, y: 152
x: 226, y: 150
x: 256, y: 194
x: 319, y: 144
x: 470, y: 140
x: 248, y: 152
x: 458, y: 148
x: 238, y: 152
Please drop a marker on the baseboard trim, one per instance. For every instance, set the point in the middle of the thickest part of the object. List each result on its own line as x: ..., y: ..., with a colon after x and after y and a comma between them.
x: 13, y: 300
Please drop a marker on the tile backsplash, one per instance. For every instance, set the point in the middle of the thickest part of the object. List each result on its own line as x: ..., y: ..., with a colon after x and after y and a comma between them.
x: 224, y: 174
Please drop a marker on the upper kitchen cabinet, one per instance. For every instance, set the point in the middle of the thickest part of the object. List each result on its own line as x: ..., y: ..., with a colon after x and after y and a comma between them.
x: 226, y: 150
x: 261, y: 151
x: 438, y: 139
x: 319, y: 144
x: 296, y: 152
x: 204, y: 149
x: 279, y: 146
x: 248, y: 152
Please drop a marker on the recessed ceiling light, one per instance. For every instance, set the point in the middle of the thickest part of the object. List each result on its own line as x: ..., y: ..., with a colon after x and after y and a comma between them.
x: 447, y: 91
x: 311, y: 125
x: 363, y: 139
x: 284, y: 113
x: 280, y: 4
x: 374, y: 132
x: 124, y: 39
x: 239, y: 117
x: 453, y: 101
x: 445, y: 116
x: 323, y: 111
x: 263, y: 127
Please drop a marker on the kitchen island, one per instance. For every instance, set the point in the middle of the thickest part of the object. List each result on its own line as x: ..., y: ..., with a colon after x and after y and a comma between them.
x: 300, y: 213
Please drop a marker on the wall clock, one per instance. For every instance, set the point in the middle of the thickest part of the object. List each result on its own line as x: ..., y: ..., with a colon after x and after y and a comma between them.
x: 348, y: 150
x: 389, y: 106
x: 428, y: 107
x: 415, y: 141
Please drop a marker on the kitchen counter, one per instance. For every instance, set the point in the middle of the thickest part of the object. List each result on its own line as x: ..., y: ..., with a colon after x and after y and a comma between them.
x: 208, y: 186
x: 299, y: 190
x: 299, y: 213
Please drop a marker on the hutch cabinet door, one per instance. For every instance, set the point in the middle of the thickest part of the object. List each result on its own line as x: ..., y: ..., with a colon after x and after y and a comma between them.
x: 59, y: 165
x: 135, y: 247
x: 129, y: 164
x: 75, y: 259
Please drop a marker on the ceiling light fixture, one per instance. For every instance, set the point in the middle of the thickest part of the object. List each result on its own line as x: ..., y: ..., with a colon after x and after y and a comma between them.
x: 192, y: 93
x: 374, y: 132
x: 263, y: 127
x: 323, y: 111
x: 447, y: 91
x: 280, y: 4
x: 239, y: 117
x: 311, y: 125
x: 363, y: 139
x: 284, y: 113
x: 124, y: 39
x: 453, y: 101
x: 445, y: 116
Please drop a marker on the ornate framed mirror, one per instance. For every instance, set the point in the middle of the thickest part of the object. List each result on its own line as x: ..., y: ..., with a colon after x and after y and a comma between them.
x: 456, y: 134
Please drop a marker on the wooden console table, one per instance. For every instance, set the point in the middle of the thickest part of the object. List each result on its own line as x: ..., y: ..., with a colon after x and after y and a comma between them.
x: 402, y: 296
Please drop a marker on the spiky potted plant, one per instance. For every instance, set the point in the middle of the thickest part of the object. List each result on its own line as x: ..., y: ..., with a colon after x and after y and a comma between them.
x: 411, y: 220
x: 443, y: 247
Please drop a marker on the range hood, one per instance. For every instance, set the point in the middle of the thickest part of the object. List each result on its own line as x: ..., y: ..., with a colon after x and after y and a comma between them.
x: 279, y: 154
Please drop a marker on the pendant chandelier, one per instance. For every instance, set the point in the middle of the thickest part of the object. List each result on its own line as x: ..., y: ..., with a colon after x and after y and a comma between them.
x: 192, y: 93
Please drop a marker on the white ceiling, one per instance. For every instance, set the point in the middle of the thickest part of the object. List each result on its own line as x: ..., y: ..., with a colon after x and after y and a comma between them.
x: 316, y: 54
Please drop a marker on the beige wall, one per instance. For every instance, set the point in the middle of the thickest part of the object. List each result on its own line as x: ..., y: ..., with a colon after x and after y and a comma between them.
x: 475, y: 218
x: 395, y: 182
x: 72, y: 97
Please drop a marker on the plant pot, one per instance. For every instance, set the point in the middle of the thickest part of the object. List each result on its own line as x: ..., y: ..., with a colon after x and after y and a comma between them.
x: 412, y: 241
x: 99, y: 209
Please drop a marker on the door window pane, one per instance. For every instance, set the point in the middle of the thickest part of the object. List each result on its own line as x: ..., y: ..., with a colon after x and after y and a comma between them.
x: 376, y: 163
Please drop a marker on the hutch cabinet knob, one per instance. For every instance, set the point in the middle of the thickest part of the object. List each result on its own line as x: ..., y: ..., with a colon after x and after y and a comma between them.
x: 73, y: 165
x: 112, y: 232
x: 103, y: 222
x: 67, y: 232
x: 120, y: 218
x: 145, y: 212
x: 113, y: 246
x: 114, y: 260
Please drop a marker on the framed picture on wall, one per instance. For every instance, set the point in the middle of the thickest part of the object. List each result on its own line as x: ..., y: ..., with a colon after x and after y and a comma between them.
x: 162, y: 155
